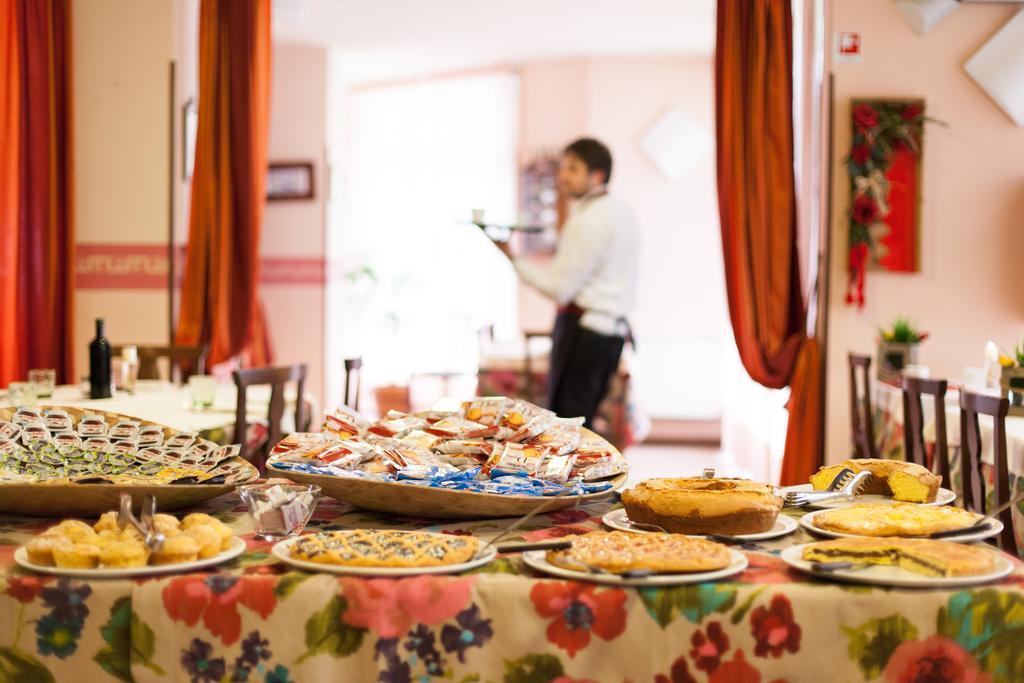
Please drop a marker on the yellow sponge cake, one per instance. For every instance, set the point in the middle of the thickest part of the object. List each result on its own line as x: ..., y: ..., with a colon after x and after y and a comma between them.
x: 904, y: 481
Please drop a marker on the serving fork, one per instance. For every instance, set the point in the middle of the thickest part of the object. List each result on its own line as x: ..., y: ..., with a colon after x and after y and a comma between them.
x: 847, y: 485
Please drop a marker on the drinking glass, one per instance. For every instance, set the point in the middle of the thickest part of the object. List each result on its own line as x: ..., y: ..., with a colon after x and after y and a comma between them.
x: 21, y: 394
x: 44, y: 380
x: 204, y: 391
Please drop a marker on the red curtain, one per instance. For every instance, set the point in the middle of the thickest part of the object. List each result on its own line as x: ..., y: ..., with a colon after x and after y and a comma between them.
x: 36, y: 230
x: 757, y: 207
x: 219, y: 300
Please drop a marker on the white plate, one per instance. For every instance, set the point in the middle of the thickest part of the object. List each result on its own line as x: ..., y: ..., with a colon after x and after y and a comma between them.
x: 995, y: 526
x: 537, y: 559
x: 236, y: 548
x: 895, y: 576
x: 784, y: 525
x: 942, y: 497
x: 282, y: 551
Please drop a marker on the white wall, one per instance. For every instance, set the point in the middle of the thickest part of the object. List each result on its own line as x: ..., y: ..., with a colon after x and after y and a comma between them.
x: 972, y: 201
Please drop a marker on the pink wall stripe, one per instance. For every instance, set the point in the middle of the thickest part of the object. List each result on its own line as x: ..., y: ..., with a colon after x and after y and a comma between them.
x: 145, y: 266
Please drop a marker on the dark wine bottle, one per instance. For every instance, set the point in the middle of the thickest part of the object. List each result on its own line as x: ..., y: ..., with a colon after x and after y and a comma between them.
x: 99, y: 364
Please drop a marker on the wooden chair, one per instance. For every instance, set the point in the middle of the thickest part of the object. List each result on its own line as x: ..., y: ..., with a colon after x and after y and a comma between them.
x: 353, y: 365
x: 862, y: 421
x: 256, y: 451
x: 913, y: 424
x: 186, y: 360
x: 973, y: 494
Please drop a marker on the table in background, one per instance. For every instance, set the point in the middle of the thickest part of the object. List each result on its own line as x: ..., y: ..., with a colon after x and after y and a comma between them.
x: 168, y: 404
x: 254, y: 621
x: 889, y: 432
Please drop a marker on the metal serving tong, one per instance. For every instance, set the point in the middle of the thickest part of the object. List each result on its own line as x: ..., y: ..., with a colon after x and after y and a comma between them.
x: 153, y: 539
x: 846, y: 485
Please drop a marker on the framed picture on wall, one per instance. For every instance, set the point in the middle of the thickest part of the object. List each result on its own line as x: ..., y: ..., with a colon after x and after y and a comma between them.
x: 290, y: 180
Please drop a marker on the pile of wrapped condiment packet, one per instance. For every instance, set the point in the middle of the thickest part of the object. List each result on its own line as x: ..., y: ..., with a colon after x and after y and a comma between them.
x: 488, y: 445
x: 48, y: 446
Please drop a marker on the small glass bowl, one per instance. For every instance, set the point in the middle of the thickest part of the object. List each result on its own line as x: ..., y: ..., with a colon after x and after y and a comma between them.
x: 279, y: 509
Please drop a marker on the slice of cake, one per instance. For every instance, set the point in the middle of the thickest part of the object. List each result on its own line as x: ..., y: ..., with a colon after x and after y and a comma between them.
x: 904, y: 481
x: 921, y: 556
x: 704, y: 506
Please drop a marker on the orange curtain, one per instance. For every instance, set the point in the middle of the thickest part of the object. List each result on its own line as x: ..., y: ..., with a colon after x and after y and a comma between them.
x: 757, y: 207
x: 36, y: 230
x: 219, y: 300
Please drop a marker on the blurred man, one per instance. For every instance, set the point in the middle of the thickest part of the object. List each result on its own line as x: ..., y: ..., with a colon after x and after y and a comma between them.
x: 592, y: 278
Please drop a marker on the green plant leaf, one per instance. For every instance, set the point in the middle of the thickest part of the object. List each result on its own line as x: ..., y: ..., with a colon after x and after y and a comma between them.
x: 533, y: 669
x: 115, y: 657
x: 143, y: 644
x: 874, y: 641
x: 326, y: 633
x: 288, y: 583
x: 693, y: 601
x: 990, y: 625
x: 19, y: 667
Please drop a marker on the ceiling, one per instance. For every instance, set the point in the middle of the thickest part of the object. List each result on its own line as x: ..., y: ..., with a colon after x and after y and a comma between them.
x: 384, y: 39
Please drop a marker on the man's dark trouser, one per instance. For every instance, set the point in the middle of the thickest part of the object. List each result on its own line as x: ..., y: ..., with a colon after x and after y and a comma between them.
x: 582, y: 365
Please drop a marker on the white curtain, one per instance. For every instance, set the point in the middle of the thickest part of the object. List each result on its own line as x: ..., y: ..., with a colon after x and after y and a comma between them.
x: 416, y: 285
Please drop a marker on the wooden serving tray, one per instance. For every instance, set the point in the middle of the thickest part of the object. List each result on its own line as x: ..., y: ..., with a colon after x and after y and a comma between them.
x: 434, y: 503
x: 91, y: 500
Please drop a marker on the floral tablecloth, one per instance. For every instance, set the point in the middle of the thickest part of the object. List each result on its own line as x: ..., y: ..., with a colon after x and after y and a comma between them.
x: 889, y: 435
x: 255, y: 621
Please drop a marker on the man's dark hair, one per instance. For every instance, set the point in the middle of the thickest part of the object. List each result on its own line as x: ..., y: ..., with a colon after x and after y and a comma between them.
x: 594, y: 154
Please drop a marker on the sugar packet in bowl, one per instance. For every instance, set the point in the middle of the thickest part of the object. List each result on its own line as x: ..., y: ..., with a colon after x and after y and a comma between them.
x: 279, y: 508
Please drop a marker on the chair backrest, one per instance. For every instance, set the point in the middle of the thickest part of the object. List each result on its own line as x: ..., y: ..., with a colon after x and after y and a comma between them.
x: 353, y: 366
x: 276, y: 378
x: 862, y: 421
x: 973, y: 494
x: 913, y: 424
x: 185, y: 361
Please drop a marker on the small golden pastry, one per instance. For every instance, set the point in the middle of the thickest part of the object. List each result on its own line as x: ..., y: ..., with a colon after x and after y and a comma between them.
x: 73, y: 529
x: 107, y: 536
x: 40, y: 549
x: 107, y: 522
x: 76, y: 556
x: 196, y: 519
x: 177, y: 549
x: 124, y: 554
x: 166, y: 524
x: 130, y: 533
x: 904, y: 481
x: 207, y: 538
x: 622, y: 551
x: 704, y: 506
x: 222, y: 529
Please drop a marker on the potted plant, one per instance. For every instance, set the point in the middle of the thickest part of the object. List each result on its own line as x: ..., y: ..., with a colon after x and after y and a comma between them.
x: 1012, y: 379
x: 897, y: 348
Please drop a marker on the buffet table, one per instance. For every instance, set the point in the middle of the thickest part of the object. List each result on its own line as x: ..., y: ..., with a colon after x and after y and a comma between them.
x: 166, y: 403
x: 254, y: 621
x: 889, y: 433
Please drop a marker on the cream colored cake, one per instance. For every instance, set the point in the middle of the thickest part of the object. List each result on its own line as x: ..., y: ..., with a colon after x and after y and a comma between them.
x: 922, y: 556
x: 894, y: 519
x: 704, y: 506
x: 904, y: 481
x: 622, y: 551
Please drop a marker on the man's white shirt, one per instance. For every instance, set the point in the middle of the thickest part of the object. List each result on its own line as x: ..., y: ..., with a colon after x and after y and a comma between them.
x: 595, y: 265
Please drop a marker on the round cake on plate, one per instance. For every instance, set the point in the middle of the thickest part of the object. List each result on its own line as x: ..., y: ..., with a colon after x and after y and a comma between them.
x: 704, y: 506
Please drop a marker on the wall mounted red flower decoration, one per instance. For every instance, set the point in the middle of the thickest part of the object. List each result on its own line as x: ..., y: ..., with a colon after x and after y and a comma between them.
x: 884, y: 168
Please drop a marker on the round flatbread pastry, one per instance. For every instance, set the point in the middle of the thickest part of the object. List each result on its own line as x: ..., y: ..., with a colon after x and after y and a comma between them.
x: 896, y: 519
x: 619, y: 551
x: 385, y: 548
